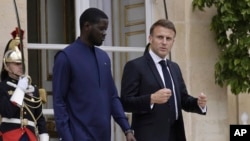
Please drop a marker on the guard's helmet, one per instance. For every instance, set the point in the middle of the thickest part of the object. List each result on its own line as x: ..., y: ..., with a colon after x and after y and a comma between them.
x: 12, y: 54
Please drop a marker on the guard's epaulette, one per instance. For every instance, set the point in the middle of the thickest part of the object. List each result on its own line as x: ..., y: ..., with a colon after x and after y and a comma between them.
x: 43, y: 95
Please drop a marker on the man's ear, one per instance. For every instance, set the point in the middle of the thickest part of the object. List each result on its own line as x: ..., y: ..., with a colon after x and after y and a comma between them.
x: 87, y: 26
x: 150, y: 38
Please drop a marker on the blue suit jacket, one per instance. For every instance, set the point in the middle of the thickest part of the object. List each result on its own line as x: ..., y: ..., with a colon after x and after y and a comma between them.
x: 141, y: 79
x: 84, y: 94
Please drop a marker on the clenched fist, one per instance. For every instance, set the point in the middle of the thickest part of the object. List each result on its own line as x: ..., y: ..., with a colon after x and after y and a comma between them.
x: 161, y: 96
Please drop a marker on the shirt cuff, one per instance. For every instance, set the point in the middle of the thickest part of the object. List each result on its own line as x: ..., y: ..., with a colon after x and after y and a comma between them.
x: 152, y: 106
x: 203, y: 110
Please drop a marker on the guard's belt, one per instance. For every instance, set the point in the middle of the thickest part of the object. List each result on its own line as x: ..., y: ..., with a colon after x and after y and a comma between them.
x: 23, y: 122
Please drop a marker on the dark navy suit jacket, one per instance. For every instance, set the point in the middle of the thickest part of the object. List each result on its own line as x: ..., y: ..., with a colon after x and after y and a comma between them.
x: 84, y: 94
x: 140, y: 79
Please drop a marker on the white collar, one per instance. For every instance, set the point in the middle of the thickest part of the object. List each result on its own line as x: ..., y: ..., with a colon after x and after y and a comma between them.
x: 155, y: 57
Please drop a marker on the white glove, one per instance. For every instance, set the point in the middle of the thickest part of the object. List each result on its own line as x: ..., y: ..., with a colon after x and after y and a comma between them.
x: 44, y: 137
x: 23, y: 83
x: 30, y: 89
x: 18, y: 94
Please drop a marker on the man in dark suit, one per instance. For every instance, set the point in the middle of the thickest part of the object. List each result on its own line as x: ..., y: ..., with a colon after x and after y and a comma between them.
x: 155, y: 93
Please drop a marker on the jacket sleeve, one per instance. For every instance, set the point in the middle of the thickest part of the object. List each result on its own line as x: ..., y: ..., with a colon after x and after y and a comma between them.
x: 118, y: 112
x: 7, y: 108
x: 188, y: 102
x: 60, y: 84
x: 135, y: 91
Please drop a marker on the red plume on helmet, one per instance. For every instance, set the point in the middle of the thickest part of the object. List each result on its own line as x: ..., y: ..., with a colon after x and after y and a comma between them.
x: 15, y: 34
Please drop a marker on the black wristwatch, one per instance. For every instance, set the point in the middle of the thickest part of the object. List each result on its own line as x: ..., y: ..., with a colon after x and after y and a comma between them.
x: 128, y: 131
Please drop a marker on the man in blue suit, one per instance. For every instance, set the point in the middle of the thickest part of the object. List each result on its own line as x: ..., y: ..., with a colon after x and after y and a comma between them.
x: 154, y: 91
x: 84, y: 93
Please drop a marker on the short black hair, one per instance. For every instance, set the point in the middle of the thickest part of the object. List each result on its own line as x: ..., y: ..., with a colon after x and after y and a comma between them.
x: 92, y: 15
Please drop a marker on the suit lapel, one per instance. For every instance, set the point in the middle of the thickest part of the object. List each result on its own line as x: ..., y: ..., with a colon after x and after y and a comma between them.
x: 154, y: 70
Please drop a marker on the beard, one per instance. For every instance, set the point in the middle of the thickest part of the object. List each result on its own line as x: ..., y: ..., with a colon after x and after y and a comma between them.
x: 95, y: 40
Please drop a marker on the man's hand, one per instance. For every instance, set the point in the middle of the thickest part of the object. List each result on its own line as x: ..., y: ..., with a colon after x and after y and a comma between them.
x: 161, y: 96
x: 23, y: 83
x: 202, y: 100
x: 130, y: 137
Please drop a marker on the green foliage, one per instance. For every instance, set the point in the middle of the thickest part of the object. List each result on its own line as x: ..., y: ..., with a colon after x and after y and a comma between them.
x: 231, y: 25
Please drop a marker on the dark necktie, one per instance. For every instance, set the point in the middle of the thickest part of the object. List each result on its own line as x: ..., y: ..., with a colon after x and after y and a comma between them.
x: 168, y: 84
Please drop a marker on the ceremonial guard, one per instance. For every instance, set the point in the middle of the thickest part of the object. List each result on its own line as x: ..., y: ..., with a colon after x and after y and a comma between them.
x: 20, y: 102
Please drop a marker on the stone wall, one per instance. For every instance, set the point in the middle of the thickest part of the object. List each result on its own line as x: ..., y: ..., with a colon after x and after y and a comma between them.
x: 194, y: 50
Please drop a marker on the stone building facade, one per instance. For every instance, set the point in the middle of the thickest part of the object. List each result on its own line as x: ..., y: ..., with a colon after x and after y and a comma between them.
x: 196, y: 52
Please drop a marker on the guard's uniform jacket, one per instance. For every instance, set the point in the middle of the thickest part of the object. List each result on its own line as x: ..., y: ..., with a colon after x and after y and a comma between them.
x: 15, y: 121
